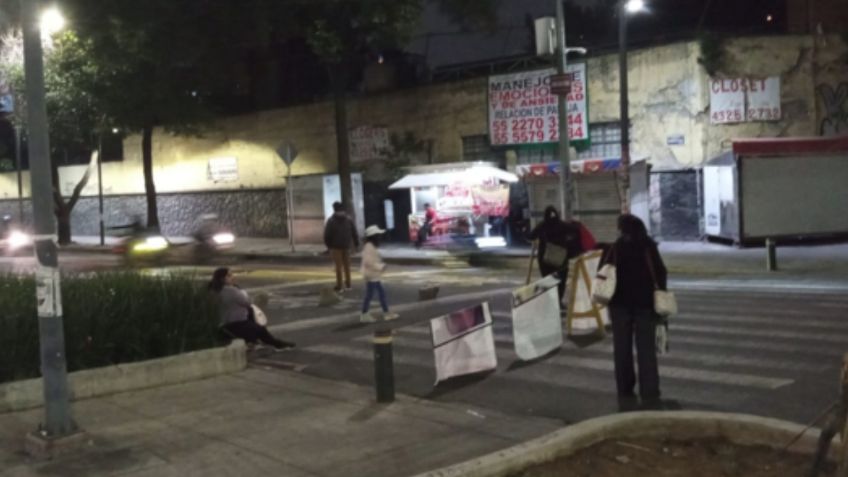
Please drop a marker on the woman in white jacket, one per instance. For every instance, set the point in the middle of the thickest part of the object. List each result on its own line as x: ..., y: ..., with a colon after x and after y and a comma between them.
x: 372, y: 272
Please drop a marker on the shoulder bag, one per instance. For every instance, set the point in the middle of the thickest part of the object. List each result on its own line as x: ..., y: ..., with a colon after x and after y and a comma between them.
x: 665, y: 303
x: 604, y: 283
x: 554, y: 256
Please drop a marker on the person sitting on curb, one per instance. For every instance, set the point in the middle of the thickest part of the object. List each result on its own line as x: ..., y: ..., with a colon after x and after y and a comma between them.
x: 372, y: 272
x: 237, y: 315
x: 340, y: 237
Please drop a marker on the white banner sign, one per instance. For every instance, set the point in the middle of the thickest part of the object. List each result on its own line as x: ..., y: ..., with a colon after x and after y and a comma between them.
x: 368, y: 143
x: 463, y: 342
x: 522, y: 109
x: 736, y: 100
x: 222, y: 169
x: 536, y: 323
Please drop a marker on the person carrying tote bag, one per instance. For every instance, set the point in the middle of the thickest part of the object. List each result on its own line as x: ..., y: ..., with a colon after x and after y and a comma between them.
x: 558, y: 241
x: 632, y: 311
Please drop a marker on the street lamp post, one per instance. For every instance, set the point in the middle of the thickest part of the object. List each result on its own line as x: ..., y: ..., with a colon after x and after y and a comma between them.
x: 58, y: 421
x: 625, y: 7
x: 565, y: 189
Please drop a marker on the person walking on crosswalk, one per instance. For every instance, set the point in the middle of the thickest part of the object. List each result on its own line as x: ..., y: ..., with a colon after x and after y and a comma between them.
x: 372, y: 272
x: 340, y: 237
x: 638, y: 268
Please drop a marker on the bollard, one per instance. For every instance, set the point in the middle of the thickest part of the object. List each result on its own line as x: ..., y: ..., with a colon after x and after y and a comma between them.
x: 771, y: 255
x: 384, y: 377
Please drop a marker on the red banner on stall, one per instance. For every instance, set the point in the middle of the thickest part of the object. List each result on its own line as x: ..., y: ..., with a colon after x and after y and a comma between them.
x: 491, y: 201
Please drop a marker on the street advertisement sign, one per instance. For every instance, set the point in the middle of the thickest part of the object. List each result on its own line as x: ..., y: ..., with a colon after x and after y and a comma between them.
x: 368, y: 143
x: 463, y: 342
x: 536, y: 323
x: 491, y: 200
x: 524, y: 110
x: 222, y: 169
x: 737, y: 100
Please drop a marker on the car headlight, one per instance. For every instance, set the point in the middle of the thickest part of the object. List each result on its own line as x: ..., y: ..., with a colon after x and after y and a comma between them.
x: 18, y: 239
x: 223, y: 238
x: 151, y: 244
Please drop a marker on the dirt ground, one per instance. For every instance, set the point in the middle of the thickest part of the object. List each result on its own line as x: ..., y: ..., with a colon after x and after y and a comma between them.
x: 665, y: 458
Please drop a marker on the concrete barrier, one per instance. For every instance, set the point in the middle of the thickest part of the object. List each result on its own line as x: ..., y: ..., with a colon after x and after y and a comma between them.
x: 741, y: 429
x: 28, y: 394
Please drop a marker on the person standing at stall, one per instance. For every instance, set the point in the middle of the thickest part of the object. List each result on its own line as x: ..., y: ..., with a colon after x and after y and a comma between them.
x: 426, y: 229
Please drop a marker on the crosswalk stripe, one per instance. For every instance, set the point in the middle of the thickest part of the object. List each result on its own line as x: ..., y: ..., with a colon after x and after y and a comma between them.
x: 840, y: 338
x: 716, y: 398
x: 666, y: 371
x: 801, y: 323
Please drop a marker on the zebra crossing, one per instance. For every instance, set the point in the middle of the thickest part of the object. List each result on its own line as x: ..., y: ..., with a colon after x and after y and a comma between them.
x: 731, y: 350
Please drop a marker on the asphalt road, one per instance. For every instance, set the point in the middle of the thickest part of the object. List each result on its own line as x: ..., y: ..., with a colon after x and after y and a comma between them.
x: 739, y: 346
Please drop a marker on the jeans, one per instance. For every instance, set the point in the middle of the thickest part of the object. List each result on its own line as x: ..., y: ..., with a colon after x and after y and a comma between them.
x: 627, y: 324
x: 371, y: 287
x: 341, y: 258
x: 251, y: 332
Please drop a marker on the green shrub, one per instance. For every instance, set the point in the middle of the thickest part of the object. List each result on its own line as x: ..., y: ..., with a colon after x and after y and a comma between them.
x: 109, y: 318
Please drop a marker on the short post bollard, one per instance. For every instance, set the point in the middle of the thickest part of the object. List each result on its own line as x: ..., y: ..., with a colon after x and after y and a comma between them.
x: 771, y: 255
x: 384, y: 376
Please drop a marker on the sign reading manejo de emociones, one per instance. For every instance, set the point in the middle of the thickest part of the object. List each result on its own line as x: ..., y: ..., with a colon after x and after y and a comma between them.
x: 523, y: 110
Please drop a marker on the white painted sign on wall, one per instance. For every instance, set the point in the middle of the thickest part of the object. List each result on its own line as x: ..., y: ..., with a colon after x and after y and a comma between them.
x: 222, y: 169
x: 737, y: 100
x: 368, y: 143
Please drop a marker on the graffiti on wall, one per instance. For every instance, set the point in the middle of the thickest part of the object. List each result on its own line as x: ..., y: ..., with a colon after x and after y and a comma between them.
x: 835, y: 102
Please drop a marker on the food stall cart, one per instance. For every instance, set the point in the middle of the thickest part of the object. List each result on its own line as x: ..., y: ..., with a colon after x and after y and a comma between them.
x: 777, y: 188
x: 471, y: 201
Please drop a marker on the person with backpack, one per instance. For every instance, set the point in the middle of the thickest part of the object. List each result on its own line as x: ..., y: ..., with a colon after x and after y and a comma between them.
x: 639, y: 271
x: 558, y: 242
x: 340, y: 237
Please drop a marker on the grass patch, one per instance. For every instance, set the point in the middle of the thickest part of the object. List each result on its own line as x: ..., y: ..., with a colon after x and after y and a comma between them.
x: 109, y: 318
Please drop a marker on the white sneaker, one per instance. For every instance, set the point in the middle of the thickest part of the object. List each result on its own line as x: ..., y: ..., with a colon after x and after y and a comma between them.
x: 367, y: 318
x: 390, y: 316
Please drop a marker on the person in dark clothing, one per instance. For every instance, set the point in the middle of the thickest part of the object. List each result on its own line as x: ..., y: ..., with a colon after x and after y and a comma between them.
x: 340, y: 237
x: 236, y: 312
x: 564, y: 236
x: 427, y: 228
x: 639, y: 270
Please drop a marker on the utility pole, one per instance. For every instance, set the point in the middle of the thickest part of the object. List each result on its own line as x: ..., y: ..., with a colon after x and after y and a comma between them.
x: 624, y: 113
x: 565, y: 189
x: 100, y: 186
x: 58, y: 421
x: 20, y: 177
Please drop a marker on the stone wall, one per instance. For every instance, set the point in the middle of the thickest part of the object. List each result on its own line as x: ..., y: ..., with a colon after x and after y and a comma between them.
x: 254, y: 213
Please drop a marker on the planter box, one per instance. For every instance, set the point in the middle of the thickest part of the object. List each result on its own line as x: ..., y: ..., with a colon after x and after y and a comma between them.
x: 28, y: 394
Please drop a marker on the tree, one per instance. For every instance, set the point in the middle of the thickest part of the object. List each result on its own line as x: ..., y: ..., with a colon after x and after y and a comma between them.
x: 344, y: 33
x: 156, y: 64
x: 72, y: 112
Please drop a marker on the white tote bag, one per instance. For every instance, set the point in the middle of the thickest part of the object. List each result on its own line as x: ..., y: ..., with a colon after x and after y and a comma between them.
x: 665, y: 303
x: 603, y: 285
x: 259, y: 315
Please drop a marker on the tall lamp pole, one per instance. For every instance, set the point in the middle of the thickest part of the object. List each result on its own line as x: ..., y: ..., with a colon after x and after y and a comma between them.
x: 625, y: 7
x: 565, y: 189
x: 58, y: 421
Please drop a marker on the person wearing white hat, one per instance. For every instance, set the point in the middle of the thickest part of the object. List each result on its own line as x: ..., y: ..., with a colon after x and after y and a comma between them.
x: 372, y: 272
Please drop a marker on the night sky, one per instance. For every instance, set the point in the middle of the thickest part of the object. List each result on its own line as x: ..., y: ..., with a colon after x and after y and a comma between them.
x: 592, y: 23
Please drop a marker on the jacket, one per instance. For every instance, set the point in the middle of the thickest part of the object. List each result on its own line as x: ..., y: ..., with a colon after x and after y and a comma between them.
x: 372, y: 264
x: 634, y: 286
x: 340, y: 232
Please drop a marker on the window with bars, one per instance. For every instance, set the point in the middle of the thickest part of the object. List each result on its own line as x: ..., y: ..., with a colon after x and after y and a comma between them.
x: 477, y: 148
x: 606, y: 141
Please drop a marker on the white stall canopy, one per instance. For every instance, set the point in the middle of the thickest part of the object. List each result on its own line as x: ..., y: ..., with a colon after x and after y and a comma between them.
x: 447, y: 174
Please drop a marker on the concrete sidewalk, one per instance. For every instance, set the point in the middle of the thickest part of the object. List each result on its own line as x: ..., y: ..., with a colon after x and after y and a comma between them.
x: 266, y: 422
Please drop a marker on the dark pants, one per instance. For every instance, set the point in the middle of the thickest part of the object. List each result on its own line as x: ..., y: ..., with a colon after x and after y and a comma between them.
x: 561, y: 273
x: 251, y: 332
x: 372, y: 287
x: 423, y: 234
x: 640, y: 323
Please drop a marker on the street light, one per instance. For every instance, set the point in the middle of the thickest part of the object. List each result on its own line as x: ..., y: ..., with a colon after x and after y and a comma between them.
x: 625, y: 7
x: 51, y: 21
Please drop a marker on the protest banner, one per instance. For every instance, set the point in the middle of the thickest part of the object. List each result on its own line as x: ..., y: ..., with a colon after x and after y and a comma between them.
x: 463, y: 342
x: 536, y: 323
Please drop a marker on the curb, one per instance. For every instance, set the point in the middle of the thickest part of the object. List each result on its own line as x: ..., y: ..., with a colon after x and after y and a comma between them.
x: 740, y: 429
x: 89, y: 383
